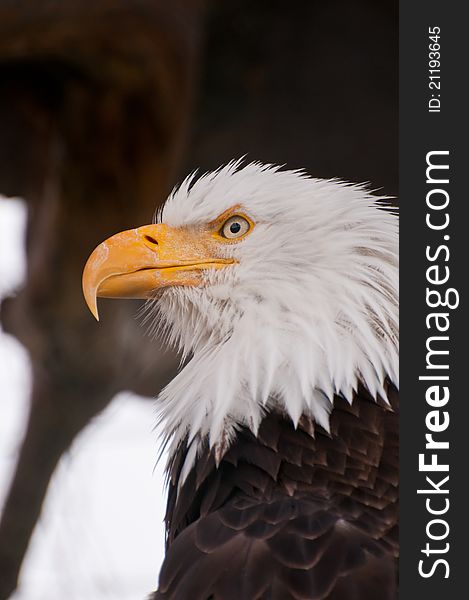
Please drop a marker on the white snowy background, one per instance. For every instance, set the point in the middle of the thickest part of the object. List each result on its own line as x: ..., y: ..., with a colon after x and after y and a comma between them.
x: 101, y: 534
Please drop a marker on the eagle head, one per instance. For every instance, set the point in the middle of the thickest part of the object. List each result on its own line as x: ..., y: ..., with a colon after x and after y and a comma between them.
x: 280, y: 290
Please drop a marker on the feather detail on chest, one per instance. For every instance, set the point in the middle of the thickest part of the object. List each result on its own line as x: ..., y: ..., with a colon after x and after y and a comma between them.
x: 301, y: 500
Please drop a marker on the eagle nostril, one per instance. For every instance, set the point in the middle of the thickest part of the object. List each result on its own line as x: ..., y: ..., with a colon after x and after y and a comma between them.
x: 151, y: 240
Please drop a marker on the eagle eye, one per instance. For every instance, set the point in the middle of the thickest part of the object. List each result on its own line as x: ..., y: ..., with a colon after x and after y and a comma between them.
x: 235, y: 227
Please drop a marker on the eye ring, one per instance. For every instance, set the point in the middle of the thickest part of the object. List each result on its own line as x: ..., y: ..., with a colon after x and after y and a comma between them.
x: 235, y: 227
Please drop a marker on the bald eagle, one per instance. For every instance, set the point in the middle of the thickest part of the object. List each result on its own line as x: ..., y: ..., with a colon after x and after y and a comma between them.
x: 281, y: 292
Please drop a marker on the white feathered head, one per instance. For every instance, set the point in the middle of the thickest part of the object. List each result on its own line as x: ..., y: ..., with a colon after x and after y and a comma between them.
x: 280, y: 290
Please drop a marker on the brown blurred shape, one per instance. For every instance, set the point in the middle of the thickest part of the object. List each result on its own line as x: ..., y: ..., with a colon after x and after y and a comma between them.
x: 94, y: 106
x: 97, y: 124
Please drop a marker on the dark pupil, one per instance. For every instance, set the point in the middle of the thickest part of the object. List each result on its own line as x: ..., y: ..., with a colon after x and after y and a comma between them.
x: 235, y: 227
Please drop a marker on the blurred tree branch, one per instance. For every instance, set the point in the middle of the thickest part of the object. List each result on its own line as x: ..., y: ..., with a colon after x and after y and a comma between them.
x: 94, y: 106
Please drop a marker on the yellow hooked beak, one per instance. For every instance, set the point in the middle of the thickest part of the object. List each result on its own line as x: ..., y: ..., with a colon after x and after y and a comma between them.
x: 138, y: 262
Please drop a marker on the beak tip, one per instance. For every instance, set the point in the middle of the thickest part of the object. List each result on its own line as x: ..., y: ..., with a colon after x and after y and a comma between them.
x: 93, y: 307
x: 89, y: 288
x: 91, y: 302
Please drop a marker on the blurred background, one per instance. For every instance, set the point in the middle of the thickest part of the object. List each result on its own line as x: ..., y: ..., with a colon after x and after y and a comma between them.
x: 104, y: 106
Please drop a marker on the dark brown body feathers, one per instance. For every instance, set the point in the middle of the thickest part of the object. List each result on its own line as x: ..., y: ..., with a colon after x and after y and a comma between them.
x: 290, y: 514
